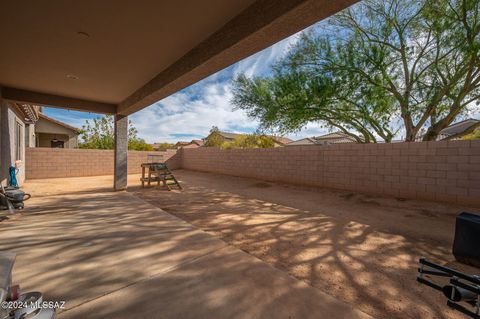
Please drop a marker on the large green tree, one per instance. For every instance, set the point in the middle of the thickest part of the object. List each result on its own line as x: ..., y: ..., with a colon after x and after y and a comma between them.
x: 376, y: 68
x: 99, y: 134
x: 254, y: 140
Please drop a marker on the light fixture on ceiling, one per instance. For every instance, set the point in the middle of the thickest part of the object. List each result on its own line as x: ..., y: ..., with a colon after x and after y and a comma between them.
x: 72, y: 77
x: 83, y: 34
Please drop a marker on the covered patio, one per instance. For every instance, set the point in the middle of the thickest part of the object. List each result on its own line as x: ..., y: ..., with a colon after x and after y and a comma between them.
x: 226, y: 247
x: 305, y: 242
x: 73, y: 58
x: 113, y: 255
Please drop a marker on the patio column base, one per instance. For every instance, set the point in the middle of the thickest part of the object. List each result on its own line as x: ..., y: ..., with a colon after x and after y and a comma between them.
x: 120, y: 153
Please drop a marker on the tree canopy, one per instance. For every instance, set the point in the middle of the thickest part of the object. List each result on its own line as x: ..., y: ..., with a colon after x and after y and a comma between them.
x: 164, y: 146
x: 215, y: 139
x: 475, y: 135
x: 99, y: 134
x: 373, y: 70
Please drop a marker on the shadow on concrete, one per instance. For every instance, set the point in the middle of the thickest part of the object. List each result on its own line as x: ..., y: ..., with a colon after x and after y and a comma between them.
x: 113, y: 255
x: 363, y: 250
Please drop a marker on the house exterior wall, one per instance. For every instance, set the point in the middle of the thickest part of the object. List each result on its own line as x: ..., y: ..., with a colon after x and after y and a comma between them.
x: 45, y: 140
x: 47, y: 131
x: 9, y: 121
x: 440, y: 171
x: 62, y: 162
x: 30, y: 135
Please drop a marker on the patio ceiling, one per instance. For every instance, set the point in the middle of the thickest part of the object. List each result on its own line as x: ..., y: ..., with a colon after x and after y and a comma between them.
x: 115, y: 56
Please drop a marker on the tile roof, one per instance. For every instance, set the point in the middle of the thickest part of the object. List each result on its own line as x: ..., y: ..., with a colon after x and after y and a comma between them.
x: 198, y: 142
x: 330, y: 138
x: 335, y: 138
x: 181, y: 143
x: 281, y: 139
x: 458, y: 127
x: 303, y: 141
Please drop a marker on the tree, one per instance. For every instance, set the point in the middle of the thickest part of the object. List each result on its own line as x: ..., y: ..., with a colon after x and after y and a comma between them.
x: 249, y: 141
x: 214, y: 139
x: 475, y: 135
x: 164, y: 146
x: 376, y: 68
x: 99, y: 134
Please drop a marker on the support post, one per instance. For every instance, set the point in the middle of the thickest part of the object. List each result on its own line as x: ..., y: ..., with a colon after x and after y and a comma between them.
x: 121, y: 153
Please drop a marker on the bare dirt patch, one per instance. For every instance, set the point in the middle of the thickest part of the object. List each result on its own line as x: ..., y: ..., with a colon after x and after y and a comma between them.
x: 360, y: 249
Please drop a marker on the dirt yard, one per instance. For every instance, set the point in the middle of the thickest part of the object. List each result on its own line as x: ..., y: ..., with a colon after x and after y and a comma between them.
x: 360, y: 249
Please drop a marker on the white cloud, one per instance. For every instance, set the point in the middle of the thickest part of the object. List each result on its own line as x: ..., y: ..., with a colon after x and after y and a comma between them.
x: 179, y: 117
x: 261, y: 62
x: 191, y: 113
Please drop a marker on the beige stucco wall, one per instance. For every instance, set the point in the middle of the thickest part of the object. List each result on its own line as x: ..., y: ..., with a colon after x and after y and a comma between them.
x: 30, y: 135
x: 8, y: 120
x: 46, y: 131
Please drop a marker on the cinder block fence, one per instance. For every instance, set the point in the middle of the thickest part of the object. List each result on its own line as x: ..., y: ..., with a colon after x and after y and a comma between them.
x: 57, y: 162
x: 440, y: 171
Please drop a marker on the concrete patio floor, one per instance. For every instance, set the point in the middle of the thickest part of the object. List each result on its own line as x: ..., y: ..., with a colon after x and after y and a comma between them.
x: 113, y: 255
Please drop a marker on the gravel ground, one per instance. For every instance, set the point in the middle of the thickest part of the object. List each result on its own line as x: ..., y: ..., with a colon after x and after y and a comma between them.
x: 358, y: 248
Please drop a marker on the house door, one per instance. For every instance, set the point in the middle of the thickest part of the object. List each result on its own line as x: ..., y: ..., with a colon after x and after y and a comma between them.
x: 57, y: 144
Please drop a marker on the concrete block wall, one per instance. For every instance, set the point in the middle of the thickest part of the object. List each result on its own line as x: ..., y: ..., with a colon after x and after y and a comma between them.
x: 57, y: 162
x: 440, y: 171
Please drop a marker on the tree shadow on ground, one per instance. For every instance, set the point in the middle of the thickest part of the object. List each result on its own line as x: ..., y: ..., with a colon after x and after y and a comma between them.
x: 113, y: 255
x: 361, y: 249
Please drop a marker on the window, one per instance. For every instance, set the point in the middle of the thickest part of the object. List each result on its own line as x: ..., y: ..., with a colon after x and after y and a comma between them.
x: 18, y: 141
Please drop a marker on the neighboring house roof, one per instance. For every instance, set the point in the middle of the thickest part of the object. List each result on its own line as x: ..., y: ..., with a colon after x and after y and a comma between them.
x: 181, y: 143
x: 198, y: 142
x: 330, y: 138
x: 52, y: 120
x: 303, y: 141
x: 192, y: 142
x: 335, y: 138
x: 458, y: 128
x: 280, y: 139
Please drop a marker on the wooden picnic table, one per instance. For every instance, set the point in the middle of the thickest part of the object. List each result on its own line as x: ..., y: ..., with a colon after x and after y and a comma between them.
x: 158, y: 172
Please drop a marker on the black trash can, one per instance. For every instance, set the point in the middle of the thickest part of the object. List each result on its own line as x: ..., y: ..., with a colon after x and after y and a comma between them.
x: 466, y: 246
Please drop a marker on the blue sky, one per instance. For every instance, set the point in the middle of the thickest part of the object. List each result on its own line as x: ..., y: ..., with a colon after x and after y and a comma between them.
x: 190, y: 113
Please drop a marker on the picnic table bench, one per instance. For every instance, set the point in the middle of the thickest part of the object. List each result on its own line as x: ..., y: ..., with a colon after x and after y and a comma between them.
x: 160, y: 173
